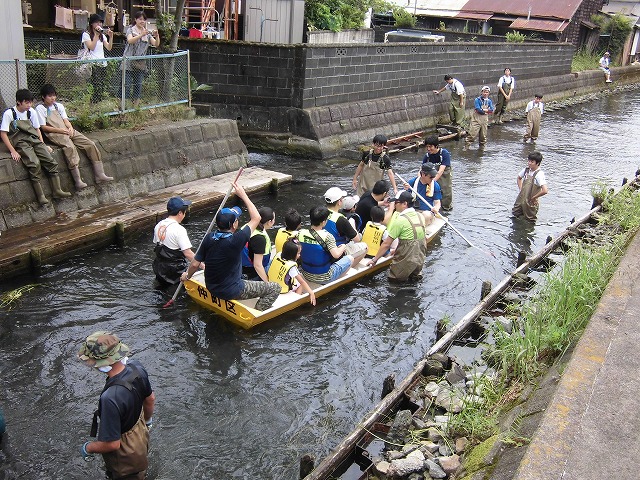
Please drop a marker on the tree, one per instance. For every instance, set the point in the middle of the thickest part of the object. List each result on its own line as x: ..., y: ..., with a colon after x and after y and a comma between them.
x: 617, y: 28
x: 169, y: 25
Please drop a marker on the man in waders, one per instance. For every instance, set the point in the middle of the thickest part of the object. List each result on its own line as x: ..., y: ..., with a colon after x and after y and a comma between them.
x: 125, y: 408
x: 506, y: 85
x: 173, y: 247
x: 440, y: 158
x: 408, y: 226
x: 534, y: 111
x: 456, y: 107
x: 482, y: 108
x: 373, y: 166
x: 57, y: 128
x: 532, y: 185
x: 20, y: 132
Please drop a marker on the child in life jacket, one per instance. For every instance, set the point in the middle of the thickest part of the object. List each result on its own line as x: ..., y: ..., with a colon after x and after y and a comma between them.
x: 375, y: 233
x: 292, y: 222
x: 284, y: 270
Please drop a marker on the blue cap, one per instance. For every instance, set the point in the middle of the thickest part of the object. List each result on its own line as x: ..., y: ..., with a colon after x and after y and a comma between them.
x: 227, y: 216
x: 175, y: 204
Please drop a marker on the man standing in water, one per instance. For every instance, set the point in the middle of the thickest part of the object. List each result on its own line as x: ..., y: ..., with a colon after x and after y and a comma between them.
x: 125, y: 408
x: 534, y: 111
x: 408, y: 226
x: 221, y: 252
x: 532, y: 185
x: 482, y: 108
x: 456, y: 107
x: 173, y: 247
x: 440, y: 158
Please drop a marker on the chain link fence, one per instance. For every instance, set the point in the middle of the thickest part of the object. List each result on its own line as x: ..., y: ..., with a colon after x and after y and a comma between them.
x: 97, y: 87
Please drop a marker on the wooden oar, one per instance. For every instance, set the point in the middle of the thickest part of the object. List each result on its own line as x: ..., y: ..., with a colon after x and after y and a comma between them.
x: 224, y: 200
x: 446, y: 220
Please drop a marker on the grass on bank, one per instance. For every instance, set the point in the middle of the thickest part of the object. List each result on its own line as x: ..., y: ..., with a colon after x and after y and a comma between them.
x: 551, y: 322
x: 585, y: 61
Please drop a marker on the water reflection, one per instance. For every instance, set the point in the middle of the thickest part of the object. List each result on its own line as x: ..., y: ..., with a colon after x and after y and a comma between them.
x: 236, y: 404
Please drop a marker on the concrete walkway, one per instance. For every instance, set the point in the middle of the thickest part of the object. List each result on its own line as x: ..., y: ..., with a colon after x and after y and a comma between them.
x: 25, y: 249
x: 591, y: 428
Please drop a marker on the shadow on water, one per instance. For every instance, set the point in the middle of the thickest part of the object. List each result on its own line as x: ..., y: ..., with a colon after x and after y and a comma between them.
x: 248, y: 404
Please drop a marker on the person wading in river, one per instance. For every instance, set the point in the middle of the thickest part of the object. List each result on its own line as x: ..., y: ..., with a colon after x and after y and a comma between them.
x: 534, y: 111
x: 440, y: 158
x: 408, y: 226
x: 373, y: 166
x: 532, y: 185
x: 221, y: 252
x: 173, y: 247
x: 125, y: 408
x: 482, y: 108
x: 456, y: 107
x: 506, y: 85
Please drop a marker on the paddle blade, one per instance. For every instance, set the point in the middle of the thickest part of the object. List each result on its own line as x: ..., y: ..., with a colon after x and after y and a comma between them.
x: 168, y: 304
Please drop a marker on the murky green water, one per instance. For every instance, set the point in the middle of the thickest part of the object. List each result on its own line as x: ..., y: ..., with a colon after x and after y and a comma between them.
x: 233, y: 404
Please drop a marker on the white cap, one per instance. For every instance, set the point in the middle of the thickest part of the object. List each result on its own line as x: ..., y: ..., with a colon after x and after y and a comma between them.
x: 334, y: 194
x: 349, y: 202
x: 485, y: 87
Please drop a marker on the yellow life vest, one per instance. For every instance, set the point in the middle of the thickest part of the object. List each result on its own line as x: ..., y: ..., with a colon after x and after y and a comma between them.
x: 279, y: 272
x: 282, y: 236
x: 372, y: 236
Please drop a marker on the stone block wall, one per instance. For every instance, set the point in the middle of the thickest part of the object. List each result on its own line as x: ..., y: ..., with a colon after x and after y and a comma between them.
x: 269, y: 87
x: 143, y: 161
x: 339, y: 74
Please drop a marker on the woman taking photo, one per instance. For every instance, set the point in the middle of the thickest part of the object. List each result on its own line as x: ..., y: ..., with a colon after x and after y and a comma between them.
x: 95, y: 40
x: 138, y: 40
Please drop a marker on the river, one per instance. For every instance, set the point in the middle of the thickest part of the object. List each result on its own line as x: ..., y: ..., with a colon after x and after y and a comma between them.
x: 235, y: 404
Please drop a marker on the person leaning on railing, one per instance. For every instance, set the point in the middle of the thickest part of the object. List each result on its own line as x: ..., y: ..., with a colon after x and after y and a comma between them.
x: 138, y: 40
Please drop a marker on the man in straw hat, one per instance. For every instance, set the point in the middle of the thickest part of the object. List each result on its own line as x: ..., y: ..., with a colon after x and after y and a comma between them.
x: 125, y: 408
x: 482, y: 108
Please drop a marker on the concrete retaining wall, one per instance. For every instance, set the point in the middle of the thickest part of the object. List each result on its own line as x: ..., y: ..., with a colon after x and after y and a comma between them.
x: 141, y: 161
x: 268, y: 87
x: 341, y: 126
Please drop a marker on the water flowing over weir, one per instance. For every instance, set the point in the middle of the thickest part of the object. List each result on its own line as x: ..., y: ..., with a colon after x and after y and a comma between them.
x: 236, y: 404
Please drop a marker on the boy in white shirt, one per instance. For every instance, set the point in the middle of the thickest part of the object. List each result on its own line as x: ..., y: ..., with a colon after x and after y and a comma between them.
x: 20, y: 132
x: 56, y: 126
x: 532, y: 184
x: 534, y: 111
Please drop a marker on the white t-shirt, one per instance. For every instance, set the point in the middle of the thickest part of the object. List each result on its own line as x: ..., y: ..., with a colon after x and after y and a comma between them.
x: 176, y: 237
x: 7, y: 118
x: 456, y: 87
x: 98, y: 51
x: 503, y: 79
x: 539, y: 180
x: 531, y: 105
x: 43, y: 112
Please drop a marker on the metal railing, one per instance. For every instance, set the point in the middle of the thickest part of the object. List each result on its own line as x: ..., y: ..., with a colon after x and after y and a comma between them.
x: 109, y: 86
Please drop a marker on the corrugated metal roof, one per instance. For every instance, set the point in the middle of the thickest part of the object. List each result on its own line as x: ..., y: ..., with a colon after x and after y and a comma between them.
x: 435, y: 8
x: 474, y: 16
x: 540, y: 25
x: 563, y: 9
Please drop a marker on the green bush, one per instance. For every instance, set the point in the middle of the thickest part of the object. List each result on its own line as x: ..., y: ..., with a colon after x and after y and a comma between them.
x: 618, y: 28
x: 403, y: 18
x: 515, y: 37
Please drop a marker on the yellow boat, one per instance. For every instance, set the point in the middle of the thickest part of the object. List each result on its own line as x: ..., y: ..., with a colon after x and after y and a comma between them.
x: 243, y: 313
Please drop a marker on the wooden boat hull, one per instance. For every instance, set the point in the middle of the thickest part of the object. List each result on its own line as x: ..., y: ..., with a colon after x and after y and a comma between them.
x: 243, y: 313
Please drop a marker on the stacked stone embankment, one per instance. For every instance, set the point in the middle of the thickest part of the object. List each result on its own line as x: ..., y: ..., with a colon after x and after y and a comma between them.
x: 141, y: 162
